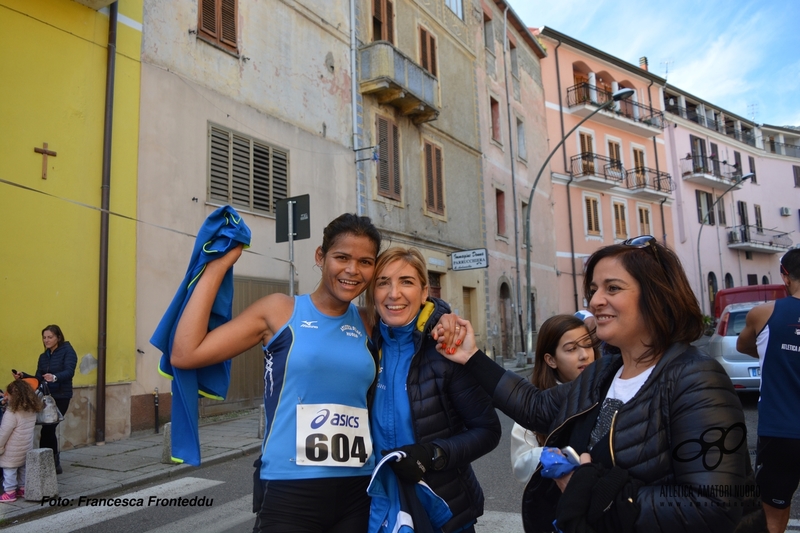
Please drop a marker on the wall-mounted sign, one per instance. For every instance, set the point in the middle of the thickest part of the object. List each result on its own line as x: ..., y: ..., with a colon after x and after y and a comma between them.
x: 469, y: 259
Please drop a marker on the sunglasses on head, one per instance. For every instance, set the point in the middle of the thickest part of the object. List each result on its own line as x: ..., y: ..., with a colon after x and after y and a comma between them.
x: 644, y: 241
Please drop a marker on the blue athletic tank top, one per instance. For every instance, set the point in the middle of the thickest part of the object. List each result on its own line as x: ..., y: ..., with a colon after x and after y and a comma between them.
x: 778, y: 414
x: 317, y: 371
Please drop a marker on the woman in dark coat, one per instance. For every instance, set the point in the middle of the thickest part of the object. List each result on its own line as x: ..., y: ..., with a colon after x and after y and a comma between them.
x: 659, y: 426
x: 56, y: 368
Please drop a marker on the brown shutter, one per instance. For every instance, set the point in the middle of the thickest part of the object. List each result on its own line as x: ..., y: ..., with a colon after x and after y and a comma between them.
x: 439, y: 181
x: 395, y: 162
x: 432, y: 52
x: 430, y: 200
x: 389, y: 22
x: 384, y: 178
x: 208, y: 17
x: 423, y: 42
x: 228, y: 22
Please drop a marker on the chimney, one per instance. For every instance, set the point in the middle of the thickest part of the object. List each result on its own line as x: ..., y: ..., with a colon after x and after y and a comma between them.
x: 643, y: 62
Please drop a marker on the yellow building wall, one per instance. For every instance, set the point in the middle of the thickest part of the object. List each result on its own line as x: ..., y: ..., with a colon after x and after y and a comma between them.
x: 53, y: 62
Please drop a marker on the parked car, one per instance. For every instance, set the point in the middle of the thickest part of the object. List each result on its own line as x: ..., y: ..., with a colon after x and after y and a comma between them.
x: 744, y: 370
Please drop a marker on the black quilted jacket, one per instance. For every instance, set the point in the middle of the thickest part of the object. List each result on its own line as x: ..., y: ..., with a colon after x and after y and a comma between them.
x: 451, y: 410
x: 62, y: 363
x: 687, y: 399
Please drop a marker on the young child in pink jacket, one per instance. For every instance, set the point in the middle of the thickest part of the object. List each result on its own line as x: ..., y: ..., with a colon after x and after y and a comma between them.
x: 16, y: 437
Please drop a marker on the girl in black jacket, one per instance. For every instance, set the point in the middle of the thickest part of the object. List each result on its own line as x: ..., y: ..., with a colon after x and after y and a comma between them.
x: 659, y: 426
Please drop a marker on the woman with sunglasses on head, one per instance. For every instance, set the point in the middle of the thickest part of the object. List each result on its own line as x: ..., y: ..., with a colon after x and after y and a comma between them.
x: 659, y: 427
x: 318, y: 373
x: 564, y: 348
x: 424, y: 406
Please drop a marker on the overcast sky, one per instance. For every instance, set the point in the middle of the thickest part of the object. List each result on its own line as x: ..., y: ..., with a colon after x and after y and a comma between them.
x: 741, y: 55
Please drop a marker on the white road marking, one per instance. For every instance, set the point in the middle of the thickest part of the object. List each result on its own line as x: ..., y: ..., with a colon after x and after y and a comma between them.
x: 84, y: 516
x: 216, y: 518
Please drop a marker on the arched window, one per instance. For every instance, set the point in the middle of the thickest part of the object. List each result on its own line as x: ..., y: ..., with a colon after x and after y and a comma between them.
x: 764, y: 280
x: 728, y: 281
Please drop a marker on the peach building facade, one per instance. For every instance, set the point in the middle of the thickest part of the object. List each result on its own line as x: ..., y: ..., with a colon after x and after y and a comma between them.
x: 610, y: 180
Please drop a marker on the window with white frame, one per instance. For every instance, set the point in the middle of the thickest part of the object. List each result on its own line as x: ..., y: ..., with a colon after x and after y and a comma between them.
x: 591, y: 206
x: 620, y: 220
x: 456, y: 6
x: 522, y: 151
x: 644, y: 220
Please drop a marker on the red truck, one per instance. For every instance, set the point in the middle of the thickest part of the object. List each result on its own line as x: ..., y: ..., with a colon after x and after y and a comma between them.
x: 747, y: 293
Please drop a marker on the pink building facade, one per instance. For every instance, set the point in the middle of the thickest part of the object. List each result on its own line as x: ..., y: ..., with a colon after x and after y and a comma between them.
x: 730, y: 232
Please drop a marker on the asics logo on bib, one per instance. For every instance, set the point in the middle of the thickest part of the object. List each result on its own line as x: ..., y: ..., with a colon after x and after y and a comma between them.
x: 336, y: 420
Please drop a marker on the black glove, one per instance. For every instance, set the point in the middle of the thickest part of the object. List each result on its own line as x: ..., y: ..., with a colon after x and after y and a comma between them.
x: 418, y: 461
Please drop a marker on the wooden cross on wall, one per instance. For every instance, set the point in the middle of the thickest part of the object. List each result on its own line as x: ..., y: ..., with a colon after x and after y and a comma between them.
x: 45, y: 152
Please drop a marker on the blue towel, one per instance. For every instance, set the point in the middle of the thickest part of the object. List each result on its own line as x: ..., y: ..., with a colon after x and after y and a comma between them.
x: 223, y: 230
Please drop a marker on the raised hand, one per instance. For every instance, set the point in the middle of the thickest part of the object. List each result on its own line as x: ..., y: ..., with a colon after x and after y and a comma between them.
x: 456, y: 338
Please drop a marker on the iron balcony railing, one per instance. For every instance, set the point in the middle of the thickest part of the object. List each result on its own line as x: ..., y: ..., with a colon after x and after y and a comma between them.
x: 591, y: 164
x: 697, y: 164
x: 583, y: 93
x: 747, y: 137
x: 759, y: 235
x: 786, y: 149
x: 649, y: 178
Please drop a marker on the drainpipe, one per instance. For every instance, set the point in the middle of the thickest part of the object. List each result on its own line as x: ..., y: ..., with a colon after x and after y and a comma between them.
x: 567, y: 169
x: 655, y: 150
x: 102, y: 319
x: 513, y: 185
x: 354, y: 98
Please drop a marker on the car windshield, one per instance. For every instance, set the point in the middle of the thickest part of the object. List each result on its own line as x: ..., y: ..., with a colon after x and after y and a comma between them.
x: 736, y: 322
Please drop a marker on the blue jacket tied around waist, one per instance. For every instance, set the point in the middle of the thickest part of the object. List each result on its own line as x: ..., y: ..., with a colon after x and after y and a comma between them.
x: 222, y: 231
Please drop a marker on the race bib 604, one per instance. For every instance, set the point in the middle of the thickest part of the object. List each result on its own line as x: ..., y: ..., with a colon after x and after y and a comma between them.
x: 332, y: 435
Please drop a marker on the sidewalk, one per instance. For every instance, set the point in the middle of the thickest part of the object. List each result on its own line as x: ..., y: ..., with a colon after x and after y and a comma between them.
x: 94, y: 471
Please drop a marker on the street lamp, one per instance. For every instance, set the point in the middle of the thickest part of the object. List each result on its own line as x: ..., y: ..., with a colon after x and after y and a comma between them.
x: 703, y: 223
x: 621, y: 94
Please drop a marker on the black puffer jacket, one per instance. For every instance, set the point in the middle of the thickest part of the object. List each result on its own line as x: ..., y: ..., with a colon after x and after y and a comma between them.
x: 62, y: 364
x: 451, y: 410
x: 668, y: 436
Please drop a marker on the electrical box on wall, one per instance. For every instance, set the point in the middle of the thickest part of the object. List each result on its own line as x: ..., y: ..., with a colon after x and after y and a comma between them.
x: 785, y: 211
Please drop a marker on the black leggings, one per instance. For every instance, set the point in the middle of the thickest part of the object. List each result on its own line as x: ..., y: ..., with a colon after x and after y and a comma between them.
x: 325, y: 505
x: 48, y: 438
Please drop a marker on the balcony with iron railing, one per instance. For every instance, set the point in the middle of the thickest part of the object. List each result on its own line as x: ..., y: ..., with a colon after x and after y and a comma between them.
x: 729, y: 130
x: 649, y: 183
x: 596, y: 171
x: 633, y: 117
x: 776, y: 147
x: 758, y: 239
x: 709, y: 172
x: 395, y: 79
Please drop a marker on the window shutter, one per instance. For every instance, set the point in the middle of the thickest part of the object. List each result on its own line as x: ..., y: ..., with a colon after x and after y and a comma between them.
x: 208, y: 17
x: 697, y: 195
x: 395, y: 162
x: 709, y: 203
x: 218, y: 164
x: 280, y: 176
x: 240, y: 172
x: 423, y: 39
x: 430, y: 186
x: 228, y: 22
x: 432, y: 52
x: 261, y: 186
x: 384, y: 179
x: 389, y: 21
x: 439, y: 181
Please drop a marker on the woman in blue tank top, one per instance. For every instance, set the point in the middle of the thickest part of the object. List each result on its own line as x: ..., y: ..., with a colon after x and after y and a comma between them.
x: 317, y: 451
